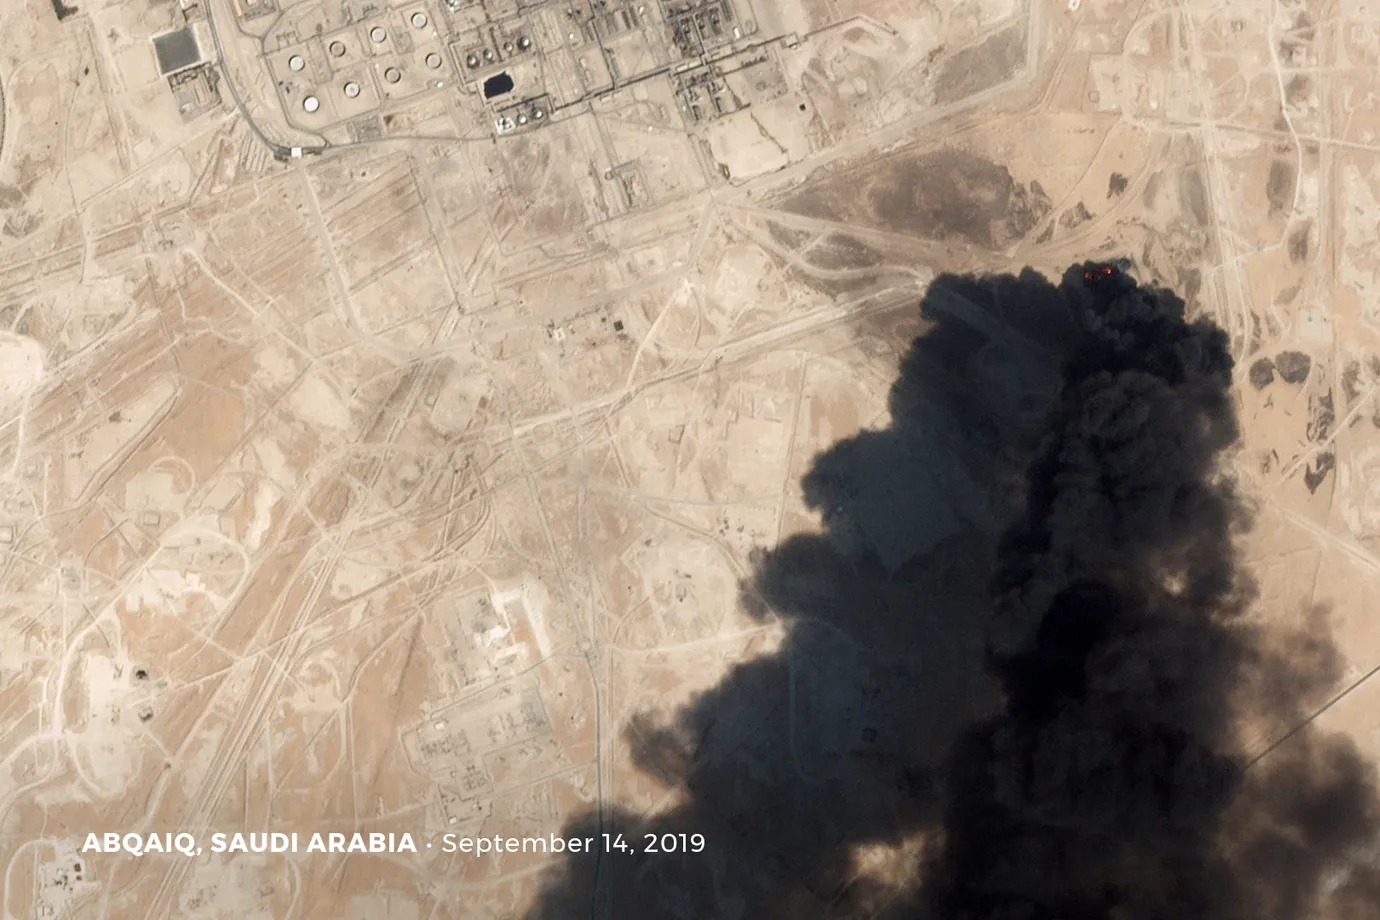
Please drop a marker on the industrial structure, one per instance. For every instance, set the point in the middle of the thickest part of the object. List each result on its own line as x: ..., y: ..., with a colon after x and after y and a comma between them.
x: 341, y: 70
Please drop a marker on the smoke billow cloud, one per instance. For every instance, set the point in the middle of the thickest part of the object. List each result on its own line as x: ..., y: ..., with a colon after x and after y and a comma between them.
x: 1023, y: 659
x: 1113, y: 783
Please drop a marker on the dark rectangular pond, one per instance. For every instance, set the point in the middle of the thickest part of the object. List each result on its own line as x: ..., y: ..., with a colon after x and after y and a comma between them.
x: 497, y: 85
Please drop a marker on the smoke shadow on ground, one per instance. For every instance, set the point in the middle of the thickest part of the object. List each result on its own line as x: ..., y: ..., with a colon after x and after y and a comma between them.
x: 1013, y: 660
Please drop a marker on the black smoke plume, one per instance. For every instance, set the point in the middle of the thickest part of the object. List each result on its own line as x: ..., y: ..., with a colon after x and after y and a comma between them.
x: 1113, y: 783
x: 1036, y: 720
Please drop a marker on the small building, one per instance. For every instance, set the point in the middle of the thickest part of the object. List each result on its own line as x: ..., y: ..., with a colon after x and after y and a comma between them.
x: 196, y: 91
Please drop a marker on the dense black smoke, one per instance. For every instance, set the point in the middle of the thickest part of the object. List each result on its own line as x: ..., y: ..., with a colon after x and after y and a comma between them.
x: 1045, y: 716
x: 1113, y: 784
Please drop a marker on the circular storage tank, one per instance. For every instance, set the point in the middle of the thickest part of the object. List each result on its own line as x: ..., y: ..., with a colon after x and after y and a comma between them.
x: 296, y: 64
x: 351, y: 90
x: 311, y: 104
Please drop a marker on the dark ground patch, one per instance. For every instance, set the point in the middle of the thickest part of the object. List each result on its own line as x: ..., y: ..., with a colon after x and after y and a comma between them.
x: 1078, y: 214
x: 63, y: 10
x: 1190, y: 282
x: 981, y: 67
x: 20, y: 223
x: 1262, y: 373
x: 1193, y: 195
x: 1116, y: 185
x: 1322, y: 415
x: 840, y: 252
x: 1351, y: 382
x: 1298, y: 89
x: 856, y: 285
x: 789, y: 237
x: 1316, y: 473
x: 1293, y: 366
x: 1298, y: 244
x: 1279, y: 187
x: 946, y: 194
x: 1151, y: 190
x: 953, y: 193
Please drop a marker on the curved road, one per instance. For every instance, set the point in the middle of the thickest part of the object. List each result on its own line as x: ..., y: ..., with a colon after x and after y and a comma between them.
x: 280, y: 151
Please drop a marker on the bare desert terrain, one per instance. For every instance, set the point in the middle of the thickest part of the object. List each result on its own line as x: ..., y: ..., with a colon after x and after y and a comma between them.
x: 396, y: 396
